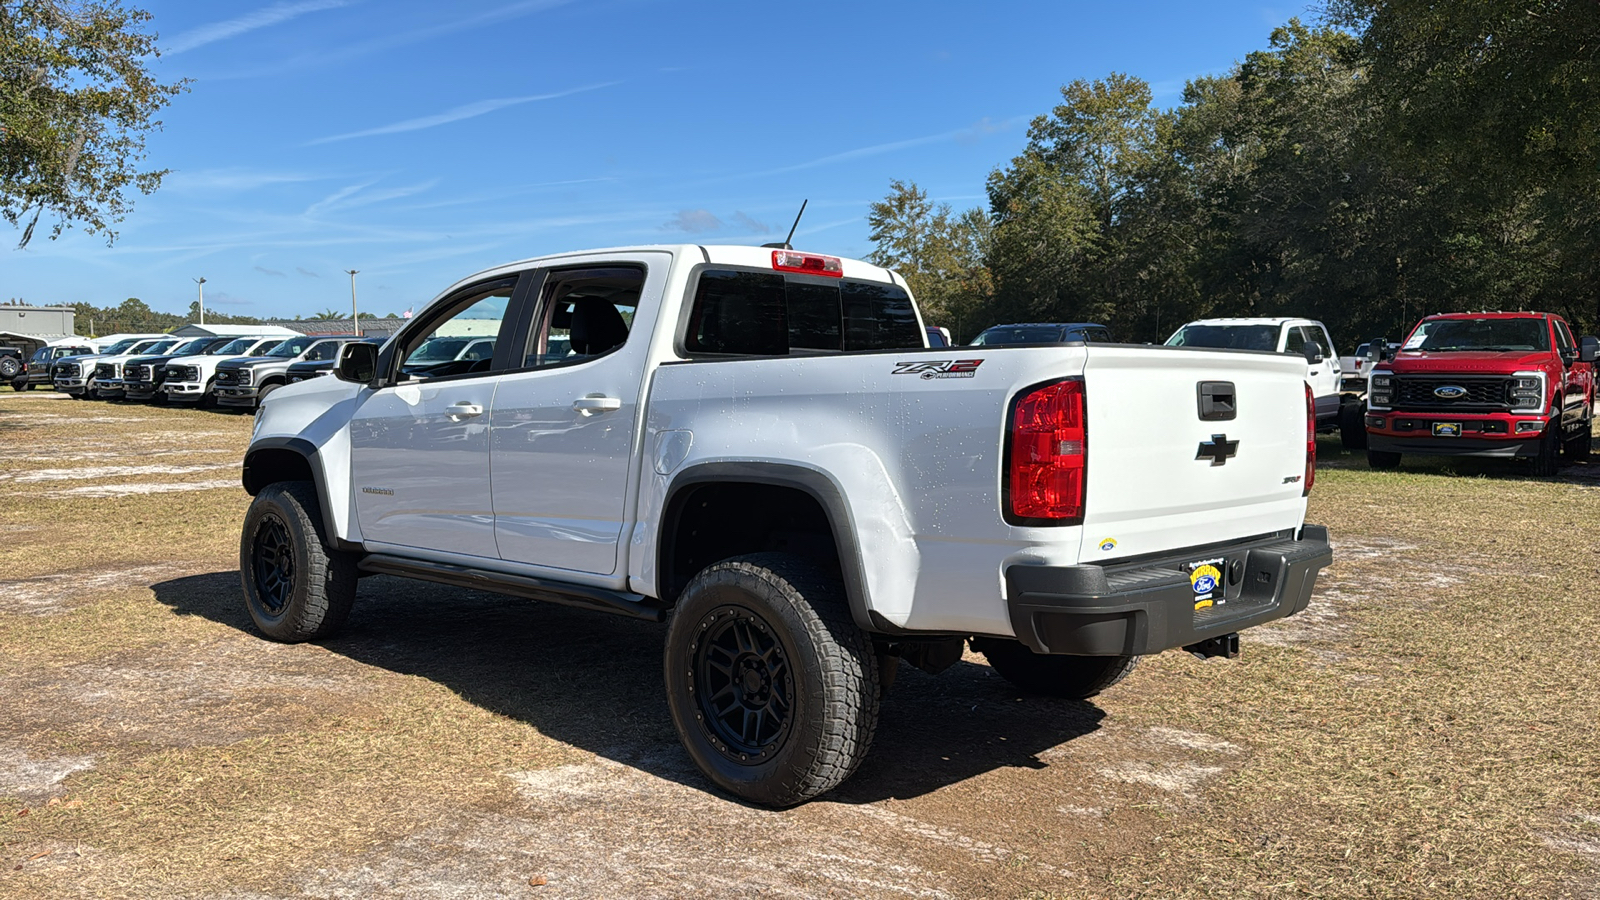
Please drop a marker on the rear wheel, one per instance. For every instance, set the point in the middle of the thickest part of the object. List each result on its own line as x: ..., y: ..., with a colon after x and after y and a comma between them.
x: 1576, y: 448
x: 1548, y: 460
x: 1382, y: 459
x: 1074, y: 677
x: 21, y: 384
x: 295, y: 588
x: 772, y: 687
x: 1352, y: 426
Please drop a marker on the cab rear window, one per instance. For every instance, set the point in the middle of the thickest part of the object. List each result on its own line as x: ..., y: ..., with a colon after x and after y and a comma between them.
x: 767, y: 314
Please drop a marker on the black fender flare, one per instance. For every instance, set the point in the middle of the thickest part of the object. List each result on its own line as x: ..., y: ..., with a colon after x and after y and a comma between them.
x: 255, y: 480
x: 811, y: 482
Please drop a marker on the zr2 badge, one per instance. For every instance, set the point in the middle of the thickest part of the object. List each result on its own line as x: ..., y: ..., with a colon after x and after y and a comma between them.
x: 940, y: 368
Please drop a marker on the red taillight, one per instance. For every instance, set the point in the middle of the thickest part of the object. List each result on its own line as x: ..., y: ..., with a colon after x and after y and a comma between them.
x: 809, y: 263
x: 1049, y: 446
x: 1311, y: 441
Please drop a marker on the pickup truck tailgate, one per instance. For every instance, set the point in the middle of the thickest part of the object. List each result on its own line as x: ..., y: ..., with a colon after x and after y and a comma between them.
x: 1162, y: 478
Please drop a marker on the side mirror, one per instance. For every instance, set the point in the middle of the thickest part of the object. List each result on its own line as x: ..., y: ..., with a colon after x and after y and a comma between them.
x: 1313, y: 352
x: 358, y: 362
x: 1377, y: 350
x: 1588, y: 348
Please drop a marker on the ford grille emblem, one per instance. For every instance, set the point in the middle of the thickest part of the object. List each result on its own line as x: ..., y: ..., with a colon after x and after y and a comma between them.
x: 1449, y: 391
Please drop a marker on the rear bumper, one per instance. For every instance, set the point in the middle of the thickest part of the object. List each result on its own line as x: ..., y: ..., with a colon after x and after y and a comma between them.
x: 1148, y: 606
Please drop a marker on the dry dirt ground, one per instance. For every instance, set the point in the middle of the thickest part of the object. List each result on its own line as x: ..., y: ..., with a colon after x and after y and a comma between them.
x: 1426, y: 729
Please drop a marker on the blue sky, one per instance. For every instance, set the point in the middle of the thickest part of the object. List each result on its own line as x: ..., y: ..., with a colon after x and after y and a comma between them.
x: 420, y: 141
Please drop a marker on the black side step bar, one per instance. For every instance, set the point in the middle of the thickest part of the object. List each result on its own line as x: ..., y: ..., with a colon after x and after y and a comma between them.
x: 630, y: 605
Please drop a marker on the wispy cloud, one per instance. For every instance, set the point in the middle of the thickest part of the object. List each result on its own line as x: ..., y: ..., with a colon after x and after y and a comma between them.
x: 273, y: 272
x: 966, y: 135
x: 469, y: 111
x: 233, y: 179
x: 745, y: 221
x: 693, y: 221
x: 357, y: 195
x: 306, y: 272
x: 272, y: 15
x: 405, y: 38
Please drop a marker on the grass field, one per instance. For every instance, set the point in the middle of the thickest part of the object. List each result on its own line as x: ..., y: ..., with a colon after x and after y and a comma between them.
x: 1427, y: 729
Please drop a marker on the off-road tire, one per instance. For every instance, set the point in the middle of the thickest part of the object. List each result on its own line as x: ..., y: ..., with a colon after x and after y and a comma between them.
x: 1382, y: 459
x: 208, y: 396
x: 828, y: 667
x: 1548, y: 460
x: 21, y: 384
x: 1073, y: 677
x: 1353, y: 426
x: 261, y: 395
x: 310, y: 597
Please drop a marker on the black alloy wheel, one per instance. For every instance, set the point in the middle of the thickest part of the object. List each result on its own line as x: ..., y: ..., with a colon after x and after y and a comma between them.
x: 274, y: 564
x: 743, y: 685
x: 296, y: 588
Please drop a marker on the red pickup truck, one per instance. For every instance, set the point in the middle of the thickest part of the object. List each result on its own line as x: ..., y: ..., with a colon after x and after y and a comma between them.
x: 1483, y: 384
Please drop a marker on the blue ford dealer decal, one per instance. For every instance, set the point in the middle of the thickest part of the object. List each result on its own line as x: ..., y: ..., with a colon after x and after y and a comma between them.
x: 1449, y: 391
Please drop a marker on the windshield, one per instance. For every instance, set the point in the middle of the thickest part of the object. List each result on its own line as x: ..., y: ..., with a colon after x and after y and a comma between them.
x: 120, y: 346
x: 438, y: 350
x: 1227, y: 337
x: 323, y: 351
x: 1446, y: 335
x: 234, y: 348
x: 292, y: 347
x: 192, y: 348
x: 1018, y: 334
x: 265, y: 348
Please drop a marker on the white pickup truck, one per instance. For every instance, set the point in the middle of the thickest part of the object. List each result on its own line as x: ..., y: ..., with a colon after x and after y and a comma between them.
x: 757, y: 446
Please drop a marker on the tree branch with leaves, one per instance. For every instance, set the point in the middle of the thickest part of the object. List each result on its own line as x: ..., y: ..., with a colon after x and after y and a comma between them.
x: 77, y: 99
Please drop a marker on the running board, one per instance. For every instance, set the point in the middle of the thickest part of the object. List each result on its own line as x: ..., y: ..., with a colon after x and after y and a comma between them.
x: 630, y: 605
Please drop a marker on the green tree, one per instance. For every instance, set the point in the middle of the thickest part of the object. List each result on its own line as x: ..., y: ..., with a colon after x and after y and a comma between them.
x: 941, y: 254
x: 327, y: 315
x: 76, y: 101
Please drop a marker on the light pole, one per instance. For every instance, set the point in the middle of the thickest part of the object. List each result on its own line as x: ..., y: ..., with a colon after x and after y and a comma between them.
x: 354, y: 316
x: 200, y: 288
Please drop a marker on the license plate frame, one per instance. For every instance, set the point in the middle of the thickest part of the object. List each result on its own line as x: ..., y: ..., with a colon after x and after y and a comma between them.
x: 1447, y: 429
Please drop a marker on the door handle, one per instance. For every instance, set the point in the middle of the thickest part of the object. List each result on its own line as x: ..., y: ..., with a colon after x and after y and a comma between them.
x: 463, y: 410
x: 595, y: 403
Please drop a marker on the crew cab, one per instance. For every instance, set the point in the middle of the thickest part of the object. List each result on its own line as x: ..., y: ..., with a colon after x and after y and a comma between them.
x: 74, y: 375
x: 1495, y: 384
x: 37, y: 371
x: 1302, y: 337
x: 142, y: 376
x: 739, y: 441
x: 188, y: 379
x: 246, y: 382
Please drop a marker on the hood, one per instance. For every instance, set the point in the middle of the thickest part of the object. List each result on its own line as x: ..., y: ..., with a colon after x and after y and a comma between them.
x: 1467, y: 362
x: 250, y: 362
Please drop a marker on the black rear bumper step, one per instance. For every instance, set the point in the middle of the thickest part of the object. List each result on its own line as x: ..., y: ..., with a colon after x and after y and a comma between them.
x: 1131, y: 609
x: 583, y: 596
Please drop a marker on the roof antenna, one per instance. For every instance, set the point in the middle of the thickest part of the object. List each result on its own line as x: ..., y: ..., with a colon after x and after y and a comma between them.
x: 786, y: 245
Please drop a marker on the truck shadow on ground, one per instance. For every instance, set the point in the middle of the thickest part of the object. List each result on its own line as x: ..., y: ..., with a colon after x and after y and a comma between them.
x: 594, y: 681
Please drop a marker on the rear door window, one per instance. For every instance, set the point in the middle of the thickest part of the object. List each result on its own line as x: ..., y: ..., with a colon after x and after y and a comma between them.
x: 768, y: 314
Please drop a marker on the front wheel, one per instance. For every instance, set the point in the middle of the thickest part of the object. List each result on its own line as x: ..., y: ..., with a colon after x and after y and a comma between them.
x: 295, y: 588
x: 1073, y: 677
x: 1353, y: 427
x: 1548, y: 460
x: 772, y: 687
x: 1382, y: 459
